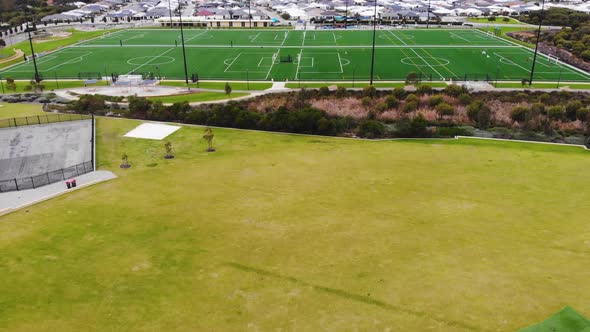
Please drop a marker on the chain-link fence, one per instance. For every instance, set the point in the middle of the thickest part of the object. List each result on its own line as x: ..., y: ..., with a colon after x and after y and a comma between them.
x: 47, y: 178
x: 41, y: 119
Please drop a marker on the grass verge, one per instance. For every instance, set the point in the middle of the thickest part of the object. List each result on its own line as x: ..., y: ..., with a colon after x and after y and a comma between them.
x: 499, y: 20
x: 49, y: 85
x: 518, y: 85
x: 293, y: 85
x: 196, y: 97
x: 8, y: 110
x: 221, y: 85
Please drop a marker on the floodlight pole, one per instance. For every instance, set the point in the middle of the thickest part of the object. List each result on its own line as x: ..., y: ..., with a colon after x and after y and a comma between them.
x: 428, y: 16
x: 537, y: 43
x: 373, y: 49
x: 346, y: 15
x: 170, y: 12
x: 37, y: 77
x: 183, y: 48
x: 249, y: 16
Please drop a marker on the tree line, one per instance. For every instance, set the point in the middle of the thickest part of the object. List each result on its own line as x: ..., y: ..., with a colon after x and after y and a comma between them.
x: 424, y: 112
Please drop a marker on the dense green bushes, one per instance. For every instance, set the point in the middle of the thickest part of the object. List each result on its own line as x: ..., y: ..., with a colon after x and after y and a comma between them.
x: 375, y: 113
x: 575, y: 36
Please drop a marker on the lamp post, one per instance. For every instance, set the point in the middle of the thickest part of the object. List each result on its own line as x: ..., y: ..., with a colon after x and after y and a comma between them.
x: 537, y: 43
x: 37, y: 77
x: 249, y: 16
x: 346, y: 15
x: 170, y: 12
x: 373, y: 48
x: 428, y: 16
x: 183, y: 48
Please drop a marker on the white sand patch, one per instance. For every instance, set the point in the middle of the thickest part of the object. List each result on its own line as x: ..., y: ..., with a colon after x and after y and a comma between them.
x: 152, y: 131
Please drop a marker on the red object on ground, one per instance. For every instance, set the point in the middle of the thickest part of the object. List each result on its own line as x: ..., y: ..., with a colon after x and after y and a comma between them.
x: 73, y: 183
x: 68, y: 184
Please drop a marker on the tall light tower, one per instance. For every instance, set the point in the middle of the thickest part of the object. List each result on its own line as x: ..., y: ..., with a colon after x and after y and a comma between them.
x: 183, y: 48
x: 537, y: 43
x: 170, y: 12
x: 373, y: 49
x: 37, y: 76
x: 346, y: 15
x: 428, y: 16
x: 249, y: 15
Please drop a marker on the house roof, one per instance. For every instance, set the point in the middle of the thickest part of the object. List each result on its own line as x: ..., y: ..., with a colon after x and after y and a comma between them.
x: 205, y: 12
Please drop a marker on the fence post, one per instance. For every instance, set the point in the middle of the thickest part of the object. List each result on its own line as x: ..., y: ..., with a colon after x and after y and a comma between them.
x: 14, y: 119
x: 16, y: 184
x: 33, y: 182
x: 47, y: 118
x: 27, y: 118
x: 38, y: 119
x: 63, y: 174
x: 47, y: 176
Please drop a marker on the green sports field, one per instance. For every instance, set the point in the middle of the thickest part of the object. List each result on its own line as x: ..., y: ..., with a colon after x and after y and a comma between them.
x: 284, y: 232
x: 315, y: 55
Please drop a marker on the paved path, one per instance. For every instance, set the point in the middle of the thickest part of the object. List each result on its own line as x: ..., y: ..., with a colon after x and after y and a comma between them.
x: 15, y: 200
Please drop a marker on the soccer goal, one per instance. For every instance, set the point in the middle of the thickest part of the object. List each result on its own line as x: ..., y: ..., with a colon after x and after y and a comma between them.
x: 552, y: 59
x: 286, y: 59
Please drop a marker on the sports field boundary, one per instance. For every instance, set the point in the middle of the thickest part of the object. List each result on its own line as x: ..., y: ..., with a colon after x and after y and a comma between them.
x: 2, y: 70
x: 547, y: 58
x: 431, y: 57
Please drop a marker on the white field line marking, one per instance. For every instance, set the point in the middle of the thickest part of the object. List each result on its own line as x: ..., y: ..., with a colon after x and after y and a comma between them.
x: 29, y: 64
x: 456, y: 35
x: 393, y: 34
x: 299, y: 63
x: 311, y: 66
x: 411, y: 48
x: 271, y: 65
x: 304, y: 36
x: 429, y: 65
x: 284, y: 39
x: 259, y: 62
x: 81, y: 58
x: 510, y: 62
x: 333, y: 34
x: 309, y: 46
x: 151, y: 60
x: 340, y: 62
x: 110, y: 36
x: 231, y: 63
x: 506, y: 42
x: 253, y: 39
x: 134, y: 37
x: 195, y: 36
x: 386, y: 35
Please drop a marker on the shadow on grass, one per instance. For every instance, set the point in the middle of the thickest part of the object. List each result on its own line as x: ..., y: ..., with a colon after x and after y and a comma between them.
x: 351, y: 296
